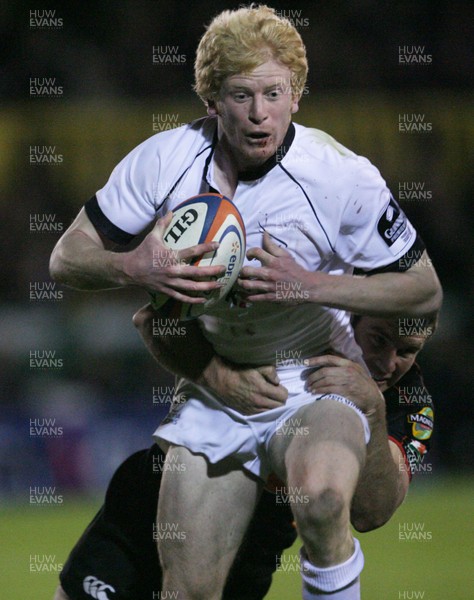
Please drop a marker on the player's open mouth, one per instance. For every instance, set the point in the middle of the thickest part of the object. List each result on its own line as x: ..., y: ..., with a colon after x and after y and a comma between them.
x: 380, y: 380
x: 258, y: 138
x: 257, y: 135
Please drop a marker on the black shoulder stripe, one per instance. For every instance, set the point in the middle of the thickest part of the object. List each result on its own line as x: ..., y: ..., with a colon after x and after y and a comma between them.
x: 403, y: 263
x: 104, y: 226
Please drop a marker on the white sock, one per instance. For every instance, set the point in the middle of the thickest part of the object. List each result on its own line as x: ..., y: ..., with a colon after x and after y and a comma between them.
x: 340, y: 582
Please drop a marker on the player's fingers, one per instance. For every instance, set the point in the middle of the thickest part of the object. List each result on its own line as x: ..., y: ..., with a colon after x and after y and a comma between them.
x: 323, y: 375
x: 189, y: 291
x: 181, y: 296
x: 261, y: 255
x: 257, y: 289
x: 328, y: 360
x: 194, y: 273
x: 314, y: 377
x: 270, y: 374
x: 162, y: 223
x: 263, y: 401
x: 262, y: 297
x: 255, y: 275
x: 191, y: 285
x: 277, y: 393
x: 271, y: 247
x: 188, y: 254
x: 331, y: 388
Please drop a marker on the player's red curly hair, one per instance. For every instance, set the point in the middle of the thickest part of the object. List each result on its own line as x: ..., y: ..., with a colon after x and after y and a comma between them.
x: 238, y: 41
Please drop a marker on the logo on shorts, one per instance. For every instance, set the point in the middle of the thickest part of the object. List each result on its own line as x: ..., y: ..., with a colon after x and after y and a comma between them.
x: 96, y: 588
x: 422, y: 423
x: 175, y: 411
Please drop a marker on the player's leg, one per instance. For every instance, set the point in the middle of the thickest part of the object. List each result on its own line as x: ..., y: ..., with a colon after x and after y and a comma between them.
x: 203, y: 513
x: 60, y: 594
x: 270, y: 532
x: 321, y: 468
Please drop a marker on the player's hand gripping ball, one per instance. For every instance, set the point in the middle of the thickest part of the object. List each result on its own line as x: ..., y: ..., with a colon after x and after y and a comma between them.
x: 200, y: 219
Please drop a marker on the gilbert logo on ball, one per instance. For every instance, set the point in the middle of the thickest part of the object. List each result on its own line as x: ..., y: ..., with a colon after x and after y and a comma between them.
x: 200, y: 219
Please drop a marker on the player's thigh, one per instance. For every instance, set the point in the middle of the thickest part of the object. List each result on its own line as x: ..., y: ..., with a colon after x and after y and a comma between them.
x: 208, y: 507
x: 327, y: 446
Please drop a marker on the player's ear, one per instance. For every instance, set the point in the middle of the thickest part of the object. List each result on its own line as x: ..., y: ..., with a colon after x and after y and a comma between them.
x: 212, y: 108
x: 295, y: 104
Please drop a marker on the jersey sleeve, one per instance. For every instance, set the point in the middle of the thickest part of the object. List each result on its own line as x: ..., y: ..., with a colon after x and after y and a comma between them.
x: 127, y: 203
x: 375, y: 234
x: 410, y: 417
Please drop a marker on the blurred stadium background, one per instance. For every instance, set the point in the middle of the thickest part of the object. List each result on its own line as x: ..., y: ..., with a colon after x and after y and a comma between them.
x: 80, y: 88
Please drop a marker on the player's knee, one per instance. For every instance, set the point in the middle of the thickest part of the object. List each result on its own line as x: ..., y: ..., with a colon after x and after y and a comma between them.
x: 322, y: 510
x: 60, y: 594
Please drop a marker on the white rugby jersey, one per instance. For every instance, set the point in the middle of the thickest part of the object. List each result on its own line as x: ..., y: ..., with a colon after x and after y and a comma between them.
x: 328, y: 207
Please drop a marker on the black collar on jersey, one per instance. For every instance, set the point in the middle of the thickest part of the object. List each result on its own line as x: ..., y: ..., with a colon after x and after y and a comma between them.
x: 268, y: 165
x: 211, y: 154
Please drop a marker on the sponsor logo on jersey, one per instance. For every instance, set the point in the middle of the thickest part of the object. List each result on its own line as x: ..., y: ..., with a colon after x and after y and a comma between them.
x: 96, y: 588
x: 422, y: 423
x: 415, y: 452
x: 392, y: 224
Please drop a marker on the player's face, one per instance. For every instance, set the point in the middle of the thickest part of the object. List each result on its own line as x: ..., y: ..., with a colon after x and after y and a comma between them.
x: 254, y: 112
x: 387, y: 354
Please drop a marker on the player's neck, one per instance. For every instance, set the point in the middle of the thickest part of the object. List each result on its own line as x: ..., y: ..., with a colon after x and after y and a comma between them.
x: 225, y: 170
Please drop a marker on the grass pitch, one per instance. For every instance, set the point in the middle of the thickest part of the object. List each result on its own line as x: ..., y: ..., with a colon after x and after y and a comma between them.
x: 424, y: 552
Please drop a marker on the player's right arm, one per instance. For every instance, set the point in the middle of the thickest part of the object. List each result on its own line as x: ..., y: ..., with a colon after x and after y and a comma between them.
x: 87, y: 260
x: 121, y: 212
x: 243, y: 388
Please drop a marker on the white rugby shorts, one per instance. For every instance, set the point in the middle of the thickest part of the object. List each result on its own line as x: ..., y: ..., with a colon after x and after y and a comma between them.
x: 199, y: 421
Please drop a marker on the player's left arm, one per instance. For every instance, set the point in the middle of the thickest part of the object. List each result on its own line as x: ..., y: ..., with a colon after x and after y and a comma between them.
x: 416, y: 291
x: 383, y: 482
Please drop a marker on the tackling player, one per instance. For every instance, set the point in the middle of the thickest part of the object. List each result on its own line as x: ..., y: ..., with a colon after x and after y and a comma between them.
x: 118, y: 546
x: 339, y: 215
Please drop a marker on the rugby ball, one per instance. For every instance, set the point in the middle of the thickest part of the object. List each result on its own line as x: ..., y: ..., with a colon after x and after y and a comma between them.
x: 200, y: 219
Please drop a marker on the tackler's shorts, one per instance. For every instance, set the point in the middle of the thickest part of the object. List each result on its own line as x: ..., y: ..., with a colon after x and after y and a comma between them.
x: 116, y: 557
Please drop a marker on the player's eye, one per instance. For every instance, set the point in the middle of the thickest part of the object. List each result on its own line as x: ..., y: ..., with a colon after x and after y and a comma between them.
x: 240, y: 96
x: 407, y: 352
x: 274, y: 94
x: 378, y: 340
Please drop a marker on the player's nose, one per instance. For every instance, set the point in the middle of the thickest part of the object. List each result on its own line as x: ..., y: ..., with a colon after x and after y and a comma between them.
x: 387, y: 362
x: 257, y: 112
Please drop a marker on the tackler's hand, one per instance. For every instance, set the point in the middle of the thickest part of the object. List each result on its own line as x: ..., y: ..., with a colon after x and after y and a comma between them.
x: 330, y: 374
